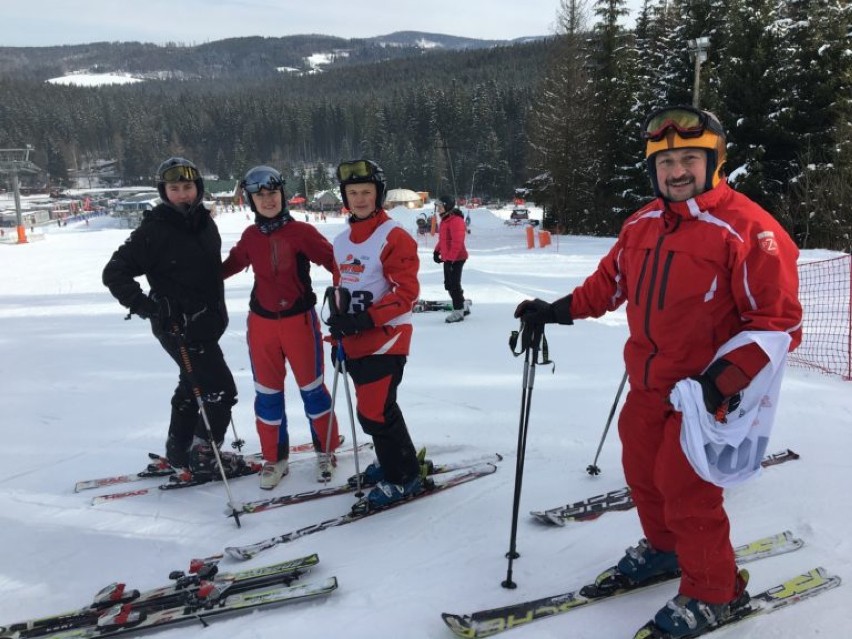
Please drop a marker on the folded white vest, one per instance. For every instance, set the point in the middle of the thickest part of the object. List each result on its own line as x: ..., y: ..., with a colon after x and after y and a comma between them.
x: 730, y: 453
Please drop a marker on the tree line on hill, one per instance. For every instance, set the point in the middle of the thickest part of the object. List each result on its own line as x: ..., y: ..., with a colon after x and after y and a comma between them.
x: 560, y: 116
x: 778, y: 74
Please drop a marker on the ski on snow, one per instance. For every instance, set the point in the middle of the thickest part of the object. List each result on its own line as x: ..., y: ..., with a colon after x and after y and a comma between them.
x: 160, y: 467
x: 184, y: 479
x: 330, y: 491
x: 810, y: 584
x: 485, y: 623
x: 204, y: 592
x: 425, y: 306
x: 615, y: 500
x: 434, y: 485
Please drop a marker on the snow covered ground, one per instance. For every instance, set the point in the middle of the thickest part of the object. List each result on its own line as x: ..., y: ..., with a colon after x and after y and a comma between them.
x: 85, y: 394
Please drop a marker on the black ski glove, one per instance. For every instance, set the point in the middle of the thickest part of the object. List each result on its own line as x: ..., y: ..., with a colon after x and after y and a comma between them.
x: 348, y: 324
x: 437, y: 257
x: 158, y: 311
x: 540, y: 312
x: 144, y: 307
x: 169, y: 319
x: 721, y: 384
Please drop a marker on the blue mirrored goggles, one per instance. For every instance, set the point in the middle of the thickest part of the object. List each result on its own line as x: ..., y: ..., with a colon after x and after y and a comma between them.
x: 263, y: 179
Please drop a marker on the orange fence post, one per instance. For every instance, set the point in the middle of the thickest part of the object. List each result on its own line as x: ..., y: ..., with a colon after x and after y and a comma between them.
x: 544, y: 238
x: 530, y: 237
x: 22, y: 234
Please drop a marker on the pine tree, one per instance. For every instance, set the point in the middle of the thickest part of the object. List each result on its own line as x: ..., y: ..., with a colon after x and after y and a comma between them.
x: 562, y: 153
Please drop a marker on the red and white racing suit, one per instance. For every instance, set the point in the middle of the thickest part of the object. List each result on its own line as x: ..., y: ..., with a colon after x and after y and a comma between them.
x: 693, y: 274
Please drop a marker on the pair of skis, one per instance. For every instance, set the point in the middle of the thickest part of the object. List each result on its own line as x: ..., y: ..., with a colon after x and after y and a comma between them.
x: 330, y: 491
x: 198, y: 596
x: 620, y: 499
x: 183, y: 479
x: 486, y: 623
x: 426, y: 306
x: 434, y: 484
x: 160, y: 467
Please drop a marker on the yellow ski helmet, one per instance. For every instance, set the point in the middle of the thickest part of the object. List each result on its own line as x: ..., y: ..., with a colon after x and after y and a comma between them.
x: 685, y: 127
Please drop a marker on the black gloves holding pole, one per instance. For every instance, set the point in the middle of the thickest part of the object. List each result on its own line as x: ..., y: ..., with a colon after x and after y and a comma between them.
x: 159, y: 310
x: 540, y: 312
x: 346, y: 324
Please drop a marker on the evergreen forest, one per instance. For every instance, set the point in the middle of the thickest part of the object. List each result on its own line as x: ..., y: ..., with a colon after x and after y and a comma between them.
x: 559, y: 117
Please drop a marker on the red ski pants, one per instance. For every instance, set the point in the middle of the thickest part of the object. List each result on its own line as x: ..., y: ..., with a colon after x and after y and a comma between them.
x: 678, y: 510
x: 273, y: 343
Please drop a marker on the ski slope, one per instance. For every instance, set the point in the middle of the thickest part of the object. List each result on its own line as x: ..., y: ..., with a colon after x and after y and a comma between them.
x: 86, y: 394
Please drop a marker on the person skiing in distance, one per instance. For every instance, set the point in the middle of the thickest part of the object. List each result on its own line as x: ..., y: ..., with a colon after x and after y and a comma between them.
x: 376, y: 263
x: 282, y: 324
x: 699, y: 267
x: 177, y: 247
x: 451, y: 251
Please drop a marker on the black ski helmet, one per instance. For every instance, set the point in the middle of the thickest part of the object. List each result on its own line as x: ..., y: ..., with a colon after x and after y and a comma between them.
x: 177, y: 169
x: 448, y: 203
x: 263, y: 177
x: 361, y: 172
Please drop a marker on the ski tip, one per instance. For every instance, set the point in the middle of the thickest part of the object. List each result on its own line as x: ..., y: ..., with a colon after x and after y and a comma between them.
x: 240, y: 554
x: 460, y: 625
x: 499, y: 457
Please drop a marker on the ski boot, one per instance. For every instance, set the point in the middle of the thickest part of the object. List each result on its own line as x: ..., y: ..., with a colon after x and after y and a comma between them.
x: 687, y: 617
x: 640, y: 566
x: 272, y: 473
x: 374, y: 473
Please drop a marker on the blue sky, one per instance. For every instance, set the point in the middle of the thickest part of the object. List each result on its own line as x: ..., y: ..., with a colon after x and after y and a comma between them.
x: 55, y: 22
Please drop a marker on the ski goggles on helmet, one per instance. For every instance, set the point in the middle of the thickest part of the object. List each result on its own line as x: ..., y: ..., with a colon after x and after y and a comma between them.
x: 178, y: 173
x: 687, y: 121
x: 356, y: 170
x: 262, y: 177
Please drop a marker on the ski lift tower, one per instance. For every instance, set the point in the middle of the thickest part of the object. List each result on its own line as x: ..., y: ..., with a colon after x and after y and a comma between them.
x: 14, y: 162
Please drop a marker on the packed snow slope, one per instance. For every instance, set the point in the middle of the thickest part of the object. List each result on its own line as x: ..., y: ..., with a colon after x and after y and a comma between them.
x: 86, y: 394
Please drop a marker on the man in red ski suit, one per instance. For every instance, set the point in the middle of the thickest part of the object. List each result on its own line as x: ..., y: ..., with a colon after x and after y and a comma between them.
x: 282, y: 323
x: 376, y: 262
x: 451, y: 251
x: 696, y: 266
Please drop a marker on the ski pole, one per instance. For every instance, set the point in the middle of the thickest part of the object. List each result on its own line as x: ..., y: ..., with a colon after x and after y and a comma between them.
x: 237, y: 443
x: 341, y: 360
x: 338, y: 300
x: 531, y: 336
x: 196, y: 391
x: 593, y: 468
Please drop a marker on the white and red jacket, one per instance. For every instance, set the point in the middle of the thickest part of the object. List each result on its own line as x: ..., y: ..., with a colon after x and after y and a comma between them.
x: 694, y: 274
x: 376, y: 260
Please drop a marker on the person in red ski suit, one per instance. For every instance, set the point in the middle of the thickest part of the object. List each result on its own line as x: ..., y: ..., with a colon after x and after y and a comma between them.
x: 376, y: 263
x: 282, y: 323
x: 451, y: 251
x: 696, y: 266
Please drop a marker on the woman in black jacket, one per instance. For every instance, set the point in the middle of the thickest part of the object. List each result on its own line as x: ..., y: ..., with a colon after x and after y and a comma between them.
x: 178, y: 249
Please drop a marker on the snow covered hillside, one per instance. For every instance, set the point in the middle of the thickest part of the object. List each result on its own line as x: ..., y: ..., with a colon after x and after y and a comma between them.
x: 86, y: 394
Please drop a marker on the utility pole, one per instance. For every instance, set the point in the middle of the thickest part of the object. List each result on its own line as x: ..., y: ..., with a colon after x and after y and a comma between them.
x: 13, y: 162
x: 443, y: 145
x: 698, y: 52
